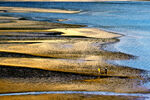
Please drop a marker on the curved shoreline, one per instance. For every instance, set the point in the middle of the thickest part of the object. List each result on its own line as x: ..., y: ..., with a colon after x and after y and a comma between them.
x: 78, y: 53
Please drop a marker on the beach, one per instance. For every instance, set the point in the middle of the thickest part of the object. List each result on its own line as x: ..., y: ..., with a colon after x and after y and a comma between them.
x: 38, y: 56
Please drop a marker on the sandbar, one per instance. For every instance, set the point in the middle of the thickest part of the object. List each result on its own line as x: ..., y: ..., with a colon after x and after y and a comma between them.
x: 86, y: 32
x: 23, y: 10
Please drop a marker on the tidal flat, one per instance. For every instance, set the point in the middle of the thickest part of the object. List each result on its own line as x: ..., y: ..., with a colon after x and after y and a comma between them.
x: 38, y: 56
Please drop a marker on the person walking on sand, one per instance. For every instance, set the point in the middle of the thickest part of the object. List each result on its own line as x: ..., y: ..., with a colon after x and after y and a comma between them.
x: 106, y: 71
x: 99, y: 72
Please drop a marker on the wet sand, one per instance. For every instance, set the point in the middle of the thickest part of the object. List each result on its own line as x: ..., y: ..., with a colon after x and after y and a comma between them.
x: 42, y: 56
x: 30, y: 26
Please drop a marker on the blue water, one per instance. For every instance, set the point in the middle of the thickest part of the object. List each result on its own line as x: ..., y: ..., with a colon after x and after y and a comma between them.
x: 131, y: 19
x: 146, y: 95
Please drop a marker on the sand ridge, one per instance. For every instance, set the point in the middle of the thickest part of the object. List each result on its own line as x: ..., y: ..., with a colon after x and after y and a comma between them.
x: 86, y: 32
x: 23, y: 10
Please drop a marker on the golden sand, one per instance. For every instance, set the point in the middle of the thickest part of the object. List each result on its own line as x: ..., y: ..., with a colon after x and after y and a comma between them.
x: 31, y: 26
x: 8, y: 18
x: 24, y: 25
x: 85, y: 32
x: 82, y: 65
x: 23, y: 10
x: 48, y: 84
x: 65, y: 55
x: 79, y: 32
x: 69, y: 97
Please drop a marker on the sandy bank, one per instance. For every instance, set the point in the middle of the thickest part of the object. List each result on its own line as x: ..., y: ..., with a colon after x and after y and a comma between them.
x: 30, y: 26
x: 23, y: 10
x: 8, y: 18
x: 30, y: 80
x: 77, y: 32
x: 70, y: 97
x: 64, y: 29
x: 78, y: 56
x: 86, y: 32
x: 64, y: 53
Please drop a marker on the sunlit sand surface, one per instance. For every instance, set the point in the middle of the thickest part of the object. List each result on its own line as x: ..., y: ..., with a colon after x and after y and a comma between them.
x: 42, y: 56
x: 69, y: 96
x: 30, y: 80
x: 64, y: 65
x: 25, y: 25
x: 8, y: 18
x: 87, y: 32
x: 23, y: 10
